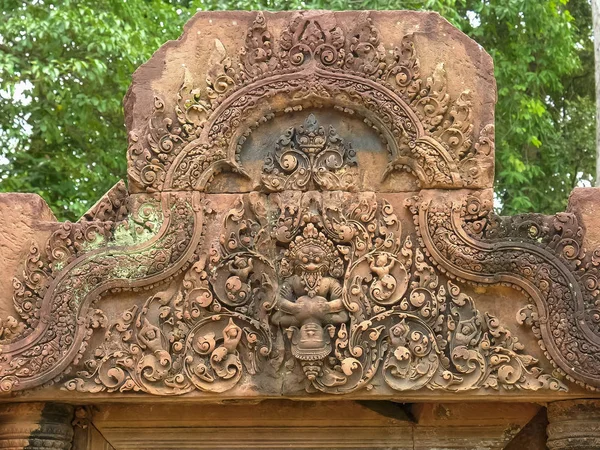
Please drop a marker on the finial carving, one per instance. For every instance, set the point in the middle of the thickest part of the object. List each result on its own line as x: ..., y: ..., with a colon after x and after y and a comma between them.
x: 310, y: 157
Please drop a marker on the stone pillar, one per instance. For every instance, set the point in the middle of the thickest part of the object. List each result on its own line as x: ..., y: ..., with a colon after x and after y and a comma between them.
x: 36, y: 426
x: 574, y: 425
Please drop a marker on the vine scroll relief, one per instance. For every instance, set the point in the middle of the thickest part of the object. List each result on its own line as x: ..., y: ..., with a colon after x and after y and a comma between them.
x: 346, y: 291
x: 299, y: 282
x: 314, y: 60
x: 308, y: 283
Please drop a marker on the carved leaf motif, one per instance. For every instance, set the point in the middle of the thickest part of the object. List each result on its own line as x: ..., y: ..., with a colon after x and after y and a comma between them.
x: 324, y: 285
x: 262, y: 73
x: 349, y: 297
x: 309, y: 158
x: 544, y: 254
x: 257, y: 54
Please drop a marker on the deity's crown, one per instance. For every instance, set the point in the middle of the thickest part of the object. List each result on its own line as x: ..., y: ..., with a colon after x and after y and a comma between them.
x: 312, y: 237
x: 311, y: 137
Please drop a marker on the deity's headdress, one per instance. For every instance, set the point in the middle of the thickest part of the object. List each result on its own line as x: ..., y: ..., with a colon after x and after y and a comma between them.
x: 312, y: 237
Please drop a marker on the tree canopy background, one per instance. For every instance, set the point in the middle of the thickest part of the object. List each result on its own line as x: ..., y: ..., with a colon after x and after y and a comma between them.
x: 65, y: 66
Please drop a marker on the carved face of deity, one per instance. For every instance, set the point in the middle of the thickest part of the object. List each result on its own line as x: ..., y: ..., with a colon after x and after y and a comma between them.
x: 312, y: 264
x: 312, y: 258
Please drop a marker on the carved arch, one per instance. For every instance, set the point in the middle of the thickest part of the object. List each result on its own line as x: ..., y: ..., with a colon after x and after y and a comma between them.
x: 559, y: 279
x: 254, y: 304
x: 426, y: 131
x: 410, y: 147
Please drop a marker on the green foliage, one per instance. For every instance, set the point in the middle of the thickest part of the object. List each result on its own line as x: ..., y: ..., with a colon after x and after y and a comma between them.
x: 65, y: 66
x: 544, y: 116
x: 64, y: 69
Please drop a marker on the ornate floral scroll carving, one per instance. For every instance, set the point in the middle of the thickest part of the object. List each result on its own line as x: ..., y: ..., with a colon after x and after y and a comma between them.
x: 59, y: 288
x: 307, y: 280
x: 366, y: 54
x: 312, y: 58
x: 111, y: 207
x: 257, y: 54
x: 308, y: 39
x: 541, y: 255
x: 310, y: 157
x: 201, y: 335
x: 334, y: 291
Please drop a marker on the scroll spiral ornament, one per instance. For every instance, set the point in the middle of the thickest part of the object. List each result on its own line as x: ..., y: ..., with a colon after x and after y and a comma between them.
x: 310, y: 158
x: 541, y: 255
x: 347, y: 299
x: 81, y: 262
x: 428, y: 133
x: 310, y: 278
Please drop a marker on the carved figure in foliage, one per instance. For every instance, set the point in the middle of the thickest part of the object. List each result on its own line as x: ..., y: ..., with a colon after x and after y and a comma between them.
x: 385, y: 284
x: 232, y: 334
x: 237, y: 286
x: 309, y: 304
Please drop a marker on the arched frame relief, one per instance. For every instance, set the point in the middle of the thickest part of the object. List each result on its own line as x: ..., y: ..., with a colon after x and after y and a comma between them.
x: 425, y: 130
x: 308, y: 282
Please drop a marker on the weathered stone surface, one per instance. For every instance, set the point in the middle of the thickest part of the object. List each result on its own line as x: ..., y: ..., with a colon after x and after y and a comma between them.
x: 407, y: 89
x: 36, y: 426
x: 574, y: 425
x: 585, y: 204
x: 25, y: 221
x: 271, y: 243
x: 284, y: 424
x: 533, y: 435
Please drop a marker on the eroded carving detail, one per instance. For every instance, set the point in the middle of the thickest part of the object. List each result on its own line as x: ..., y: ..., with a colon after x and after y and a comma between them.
x: 542, y: 255
x: 111, y: 207
x: 327, y: 287
x: 310, y: 157
x: 310, y: 39
x: 257, y: 54
x: 80, y: 262
x: 346, y: 300
x: 312, y: 59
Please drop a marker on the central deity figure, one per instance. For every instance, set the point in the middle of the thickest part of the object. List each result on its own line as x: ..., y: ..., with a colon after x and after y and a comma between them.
x: 309, y: 304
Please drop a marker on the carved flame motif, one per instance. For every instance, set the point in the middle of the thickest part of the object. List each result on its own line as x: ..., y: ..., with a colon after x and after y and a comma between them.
x: 308, y: 38
x: 310, y: 157
x: 325, y: 287
x: 256, y: 55
x: 348, y: 295
x: 427, y: 132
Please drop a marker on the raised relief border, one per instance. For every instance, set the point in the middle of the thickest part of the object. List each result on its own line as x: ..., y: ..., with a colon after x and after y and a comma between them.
x: 312, y: 62
x: 306, y: 285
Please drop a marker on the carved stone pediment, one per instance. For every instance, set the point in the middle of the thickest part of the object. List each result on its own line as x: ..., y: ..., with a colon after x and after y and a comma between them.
x: 308, y: 214
x: 332, y: 293
x: 314, y: 60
